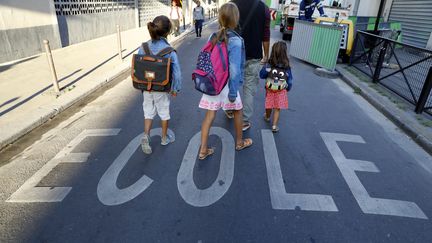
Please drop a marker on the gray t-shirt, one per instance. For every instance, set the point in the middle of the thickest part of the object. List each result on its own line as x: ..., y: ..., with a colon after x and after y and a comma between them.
x: 198, y: 13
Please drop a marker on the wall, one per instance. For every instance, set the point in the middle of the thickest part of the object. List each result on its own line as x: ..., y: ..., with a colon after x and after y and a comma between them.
x: 79, y: 28
x: 368, y: 8
x: 81, y: 21
x: 24, y: 24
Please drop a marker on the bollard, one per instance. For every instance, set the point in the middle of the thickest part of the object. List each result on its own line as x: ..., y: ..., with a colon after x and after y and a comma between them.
x: 119, y: 43
x: 52, y: 68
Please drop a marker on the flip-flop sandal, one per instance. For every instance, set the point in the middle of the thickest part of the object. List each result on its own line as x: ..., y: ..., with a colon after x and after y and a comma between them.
x: 246, y: 126
x: 245, y: 144
x: 229, y: 114
x: 203, y: 156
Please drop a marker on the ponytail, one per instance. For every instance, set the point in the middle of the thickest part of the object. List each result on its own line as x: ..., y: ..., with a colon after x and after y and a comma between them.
x: 221, y: 35
x: 159, y: 27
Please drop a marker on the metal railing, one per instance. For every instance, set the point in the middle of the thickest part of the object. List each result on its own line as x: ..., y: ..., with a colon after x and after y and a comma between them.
x: 404, y: 69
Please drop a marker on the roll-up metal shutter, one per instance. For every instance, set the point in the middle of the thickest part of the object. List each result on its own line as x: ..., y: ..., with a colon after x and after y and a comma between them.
x: 416, y: 19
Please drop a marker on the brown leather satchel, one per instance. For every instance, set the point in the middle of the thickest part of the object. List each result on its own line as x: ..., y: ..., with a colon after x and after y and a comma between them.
x: 152, y: 72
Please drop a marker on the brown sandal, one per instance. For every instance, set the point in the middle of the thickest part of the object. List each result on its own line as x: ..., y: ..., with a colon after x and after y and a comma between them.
x: 245, y: 144
x: 203, y: 156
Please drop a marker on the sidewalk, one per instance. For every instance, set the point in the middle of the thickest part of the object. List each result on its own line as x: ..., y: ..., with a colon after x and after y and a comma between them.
x: 27, y: 96
x: 418, y: 127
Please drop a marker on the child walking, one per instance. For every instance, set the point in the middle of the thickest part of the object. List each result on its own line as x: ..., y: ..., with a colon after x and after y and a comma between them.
x: 277, y: 73
x: 159, y: 102
x: 229, y: 98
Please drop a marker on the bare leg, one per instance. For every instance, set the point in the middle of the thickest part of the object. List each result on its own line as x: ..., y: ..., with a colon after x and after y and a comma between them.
x: 205, y: 129
x: 238, y: 125
x: 276, y: 116
x: 164, y: 125
x: 147, y: 126
x: 268, y: 113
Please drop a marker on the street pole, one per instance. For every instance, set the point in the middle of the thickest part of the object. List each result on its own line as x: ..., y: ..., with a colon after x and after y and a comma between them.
x: 119, y: 43
x: 380, y: 10
x: 51, y: 65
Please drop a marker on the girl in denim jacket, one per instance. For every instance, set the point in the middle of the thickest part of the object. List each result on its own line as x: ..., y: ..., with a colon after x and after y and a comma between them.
x: 159, y: 102
x: 229, y: 98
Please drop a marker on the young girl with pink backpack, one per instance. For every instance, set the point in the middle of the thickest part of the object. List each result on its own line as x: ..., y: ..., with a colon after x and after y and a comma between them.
x: 221, y: 64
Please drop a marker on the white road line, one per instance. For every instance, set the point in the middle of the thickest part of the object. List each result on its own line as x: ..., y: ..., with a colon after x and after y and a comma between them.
x: 280, y: 199
x: 29, y: 192
x: 185, y: 182
x: 108, y: 192
x: 348, y: 168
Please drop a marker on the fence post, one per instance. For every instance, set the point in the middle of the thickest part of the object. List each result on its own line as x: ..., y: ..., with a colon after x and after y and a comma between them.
x: 424, y: 95
x: 52, y: 67
x: 119, y: 43
x: 353, y: 50
x: 380, y: 62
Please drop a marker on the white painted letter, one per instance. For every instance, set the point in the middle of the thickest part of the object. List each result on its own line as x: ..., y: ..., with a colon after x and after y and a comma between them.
x: 185, y: 183
x: 348, y: 167
x: 107, y: 190
x: 280, y: 199
x: 29, y: 192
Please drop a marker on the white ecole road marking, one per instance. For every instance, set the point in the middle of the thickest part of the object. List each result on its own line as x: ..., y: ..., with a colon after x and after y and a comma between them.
x: 348, y: 168
x: 280, y: 199
x: 29, y: 192
x: 108, y: 192
x: 185, y: 183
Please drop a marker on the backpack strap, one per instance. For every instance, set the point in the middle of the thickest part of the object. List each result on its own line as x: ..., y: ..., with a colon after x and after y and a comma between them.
x: 165, y: 51
x: 146, y: 48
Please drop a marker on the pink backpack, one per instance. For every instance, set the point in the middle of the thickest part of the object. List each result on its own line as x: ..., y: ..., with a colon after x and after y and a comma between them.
x: 212, y: 70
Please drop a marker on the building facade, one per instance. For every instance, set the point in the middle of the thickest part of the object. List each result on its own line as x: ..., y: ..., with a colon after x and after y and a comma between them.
x: 24, y: 24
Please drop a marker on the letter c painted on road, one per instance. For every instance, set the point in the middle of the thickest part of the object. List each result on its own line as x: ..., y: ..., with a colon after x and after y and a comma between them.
x: 108, y: 192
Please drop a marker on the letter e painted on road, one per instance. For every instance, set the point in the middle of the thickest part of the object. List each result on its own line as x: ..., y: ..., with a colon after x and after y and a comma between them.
x: 30, y: 192
x: 280, y: 199
x: 348, y: 168
x: 185, y: 182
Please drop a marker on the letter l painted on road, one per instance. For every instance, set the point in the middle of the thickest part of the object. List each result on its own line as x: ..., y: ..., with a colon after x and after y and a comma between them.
x: 280, y: 199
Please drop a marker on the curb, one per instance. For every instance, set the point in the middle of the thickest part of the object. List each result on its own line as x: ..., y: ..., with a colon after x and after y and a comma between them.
x: 52, y: 111
x: 387, y: 109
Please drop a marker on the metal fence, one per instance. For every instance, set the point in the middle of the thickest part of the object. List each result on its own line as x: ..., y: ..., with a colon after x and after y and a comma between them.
x: 404, y: 69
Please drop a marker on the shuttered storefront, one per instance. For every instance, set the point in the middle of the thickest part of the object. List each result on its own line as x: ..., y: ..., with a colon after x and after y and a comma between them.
x: 416, y: 19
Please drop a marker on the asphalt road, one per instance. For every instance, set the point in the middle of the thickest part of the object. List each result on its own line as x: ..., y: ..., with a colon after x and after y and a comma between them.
x: 337, y: 171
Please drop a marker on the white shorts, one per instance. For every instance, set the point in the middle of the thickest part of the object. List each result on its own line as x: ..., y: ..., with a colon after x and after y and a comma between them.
x: 156, y: 103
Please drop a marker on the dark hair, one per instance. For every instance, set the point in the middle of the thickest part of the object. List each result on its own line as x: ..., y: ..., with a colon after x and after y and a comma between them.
x: 279, y: 55
x: 159, y: 27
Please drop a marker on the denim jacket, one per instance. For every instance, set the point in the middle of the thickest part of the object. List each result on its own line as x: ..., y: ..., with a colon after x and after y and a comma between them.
x: 158, y: 45
x: 236, y: 57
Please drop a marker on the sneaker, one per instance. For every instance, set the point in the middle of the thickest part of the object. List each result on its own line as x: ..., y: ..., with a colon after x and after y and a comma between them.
x: 169, y: 139
x: 275, y: 129
x: 267, y: 119
x: 145, y: 144
x: 246, y: 126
